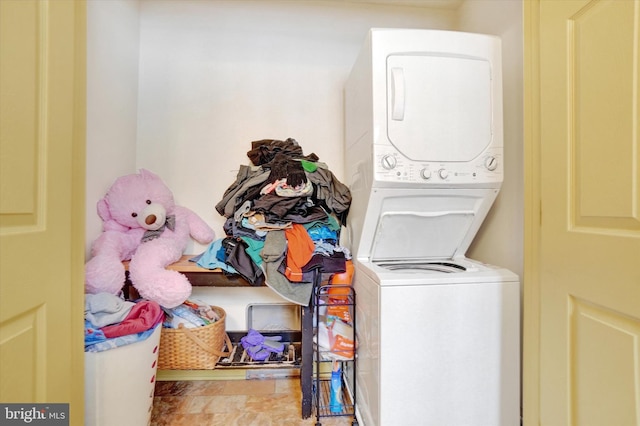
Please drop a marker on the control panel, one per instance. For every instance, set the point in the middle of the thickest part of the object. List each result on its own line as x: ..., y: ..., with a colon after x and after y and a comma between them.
x: 392, y: 166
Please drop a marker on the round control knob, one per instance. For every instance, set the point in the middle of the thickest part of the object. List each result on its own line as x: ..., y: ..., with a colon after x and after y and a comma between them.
x: 491, y: 163
x: 425, y: 174
x: 443, y: 173
x: 389, y: 162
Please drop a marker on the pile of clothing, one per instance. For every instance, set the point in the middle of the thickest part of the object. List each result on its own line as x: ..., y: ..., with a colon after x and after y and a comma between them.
x: 284, y: 214
x: 111, y: 322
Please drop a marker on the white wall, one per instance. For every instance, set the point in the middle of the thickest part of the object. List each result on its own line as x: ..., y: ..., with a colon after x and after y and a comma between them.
x: 112, y: 99
x: 500, y: 240
x: 216, y: 75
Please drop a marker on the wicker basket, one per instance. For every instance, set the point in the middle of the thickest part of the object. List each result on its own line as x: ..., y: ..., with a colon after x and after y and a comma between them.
x: 194, y: 348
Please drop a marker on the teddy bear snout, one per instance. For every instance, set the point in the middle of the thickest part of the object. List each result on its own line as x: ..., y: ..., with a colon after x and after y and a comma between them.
x: 153, y: 217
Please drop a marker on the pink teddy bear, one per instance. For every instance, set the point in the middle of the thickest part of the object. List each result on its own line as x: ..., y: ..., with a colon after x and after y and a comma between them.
x: 141, y: 222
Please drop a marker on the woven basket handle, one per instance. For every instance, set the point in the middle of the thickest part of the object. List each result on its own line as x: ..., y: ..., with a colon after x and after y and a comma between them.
x: 199, y: 342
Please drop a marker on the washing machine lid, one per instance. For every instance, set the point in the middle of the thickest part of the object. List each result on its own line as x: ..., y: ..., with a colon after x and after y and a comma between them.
x: 439, y: 106
x: 421, y: 235
x: 426, y: 225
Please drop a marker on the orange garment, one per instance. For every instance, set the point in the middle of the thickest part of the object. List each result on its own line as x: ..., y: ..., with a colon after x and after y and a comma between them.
x: 300, y: 248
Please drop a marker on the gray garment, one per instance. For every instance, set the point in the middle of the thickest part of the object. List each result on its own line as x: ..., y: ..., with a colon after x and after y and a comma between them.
x: 275, y: 247
x: 247, y: 177
x: 104, y: 309
x: 334, y: 193
x: 244, y: 208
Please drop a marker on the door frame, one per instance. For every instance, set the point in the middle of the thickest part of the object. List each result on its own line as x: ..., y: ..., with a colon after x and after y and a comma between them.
x: 532, y: 215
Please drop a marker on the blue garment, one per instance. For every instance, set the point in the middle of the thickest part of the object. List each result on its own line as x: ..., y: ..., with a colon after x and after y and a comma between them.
x: 325, y: 248
x: 92, y: 334
x: 235, y: 229
x: 116, y: 342
x: 209, y: 259
x: 322, y: 232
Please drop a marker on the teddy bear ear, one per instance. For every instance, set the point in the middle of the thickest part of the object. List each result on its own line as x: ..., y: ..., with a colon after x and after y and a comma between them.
x: 103, y: 210
x: 147, y: 174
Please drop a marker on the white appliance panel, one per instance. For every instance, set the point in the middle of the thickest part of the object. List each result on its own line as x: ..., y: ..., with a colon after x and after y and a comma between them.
x: 474, y: 273
x: 433, y: 103
x: 426, y: 224
x: 438, y: 354
x: 420, y: 235
x: 439, y: 107
x: 413, y: 223
x: 392, y: 169
x: 368, y: 373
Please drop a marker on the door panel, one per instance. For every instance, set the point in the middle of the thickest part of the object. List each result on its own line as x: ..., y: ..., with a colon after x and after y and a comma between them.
x: 42, y: 107
x: 439, y: 101
x: 603, y: 113
x: 598, y: 373
x: 589, y: 282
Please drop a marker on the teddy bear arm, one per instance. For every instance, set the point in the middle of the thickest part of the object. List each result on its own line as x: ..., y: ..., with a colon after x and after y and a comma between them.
x: 198, y: 228
x: 116, y: 245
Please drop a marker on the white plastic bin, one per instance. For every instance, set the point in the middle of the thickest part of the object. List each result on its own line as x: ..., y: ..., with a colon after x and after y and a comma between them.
x: 120, y: 382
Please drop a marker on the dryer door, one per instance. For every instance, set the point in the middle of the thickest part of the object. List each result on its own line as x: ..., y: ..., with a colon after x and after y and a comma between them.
x: 439, y: 108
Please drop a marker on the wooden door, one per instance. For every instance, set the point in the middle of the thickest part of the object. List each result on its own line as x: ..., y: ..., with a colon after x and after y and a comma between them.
x: 582, y: 278
x: 42, y: 136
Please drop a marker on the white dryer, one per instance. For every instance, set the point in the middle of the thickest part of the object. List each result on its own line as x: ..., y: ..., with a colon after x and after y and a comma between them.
x: 438, y: 333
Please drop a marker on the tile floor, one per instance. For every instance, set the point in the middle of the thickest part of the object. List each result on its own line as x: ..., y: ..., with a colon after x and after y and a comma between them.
x: 268, y: 402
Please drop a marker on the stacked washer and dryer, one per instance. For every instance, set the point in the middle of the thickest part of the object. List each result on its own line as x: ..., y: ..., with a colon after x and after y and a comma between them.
x: 438, y: 333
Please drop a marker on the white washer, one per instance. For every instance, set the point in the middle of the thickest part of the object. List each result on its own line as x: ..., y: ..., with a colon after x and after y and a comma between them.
x: 438, y: 334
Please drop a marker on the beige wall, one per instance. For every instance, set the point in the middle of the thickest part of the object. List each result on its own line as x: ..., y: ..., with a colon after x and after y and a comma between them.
x: 500, y: 241
x: 112, y: 99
